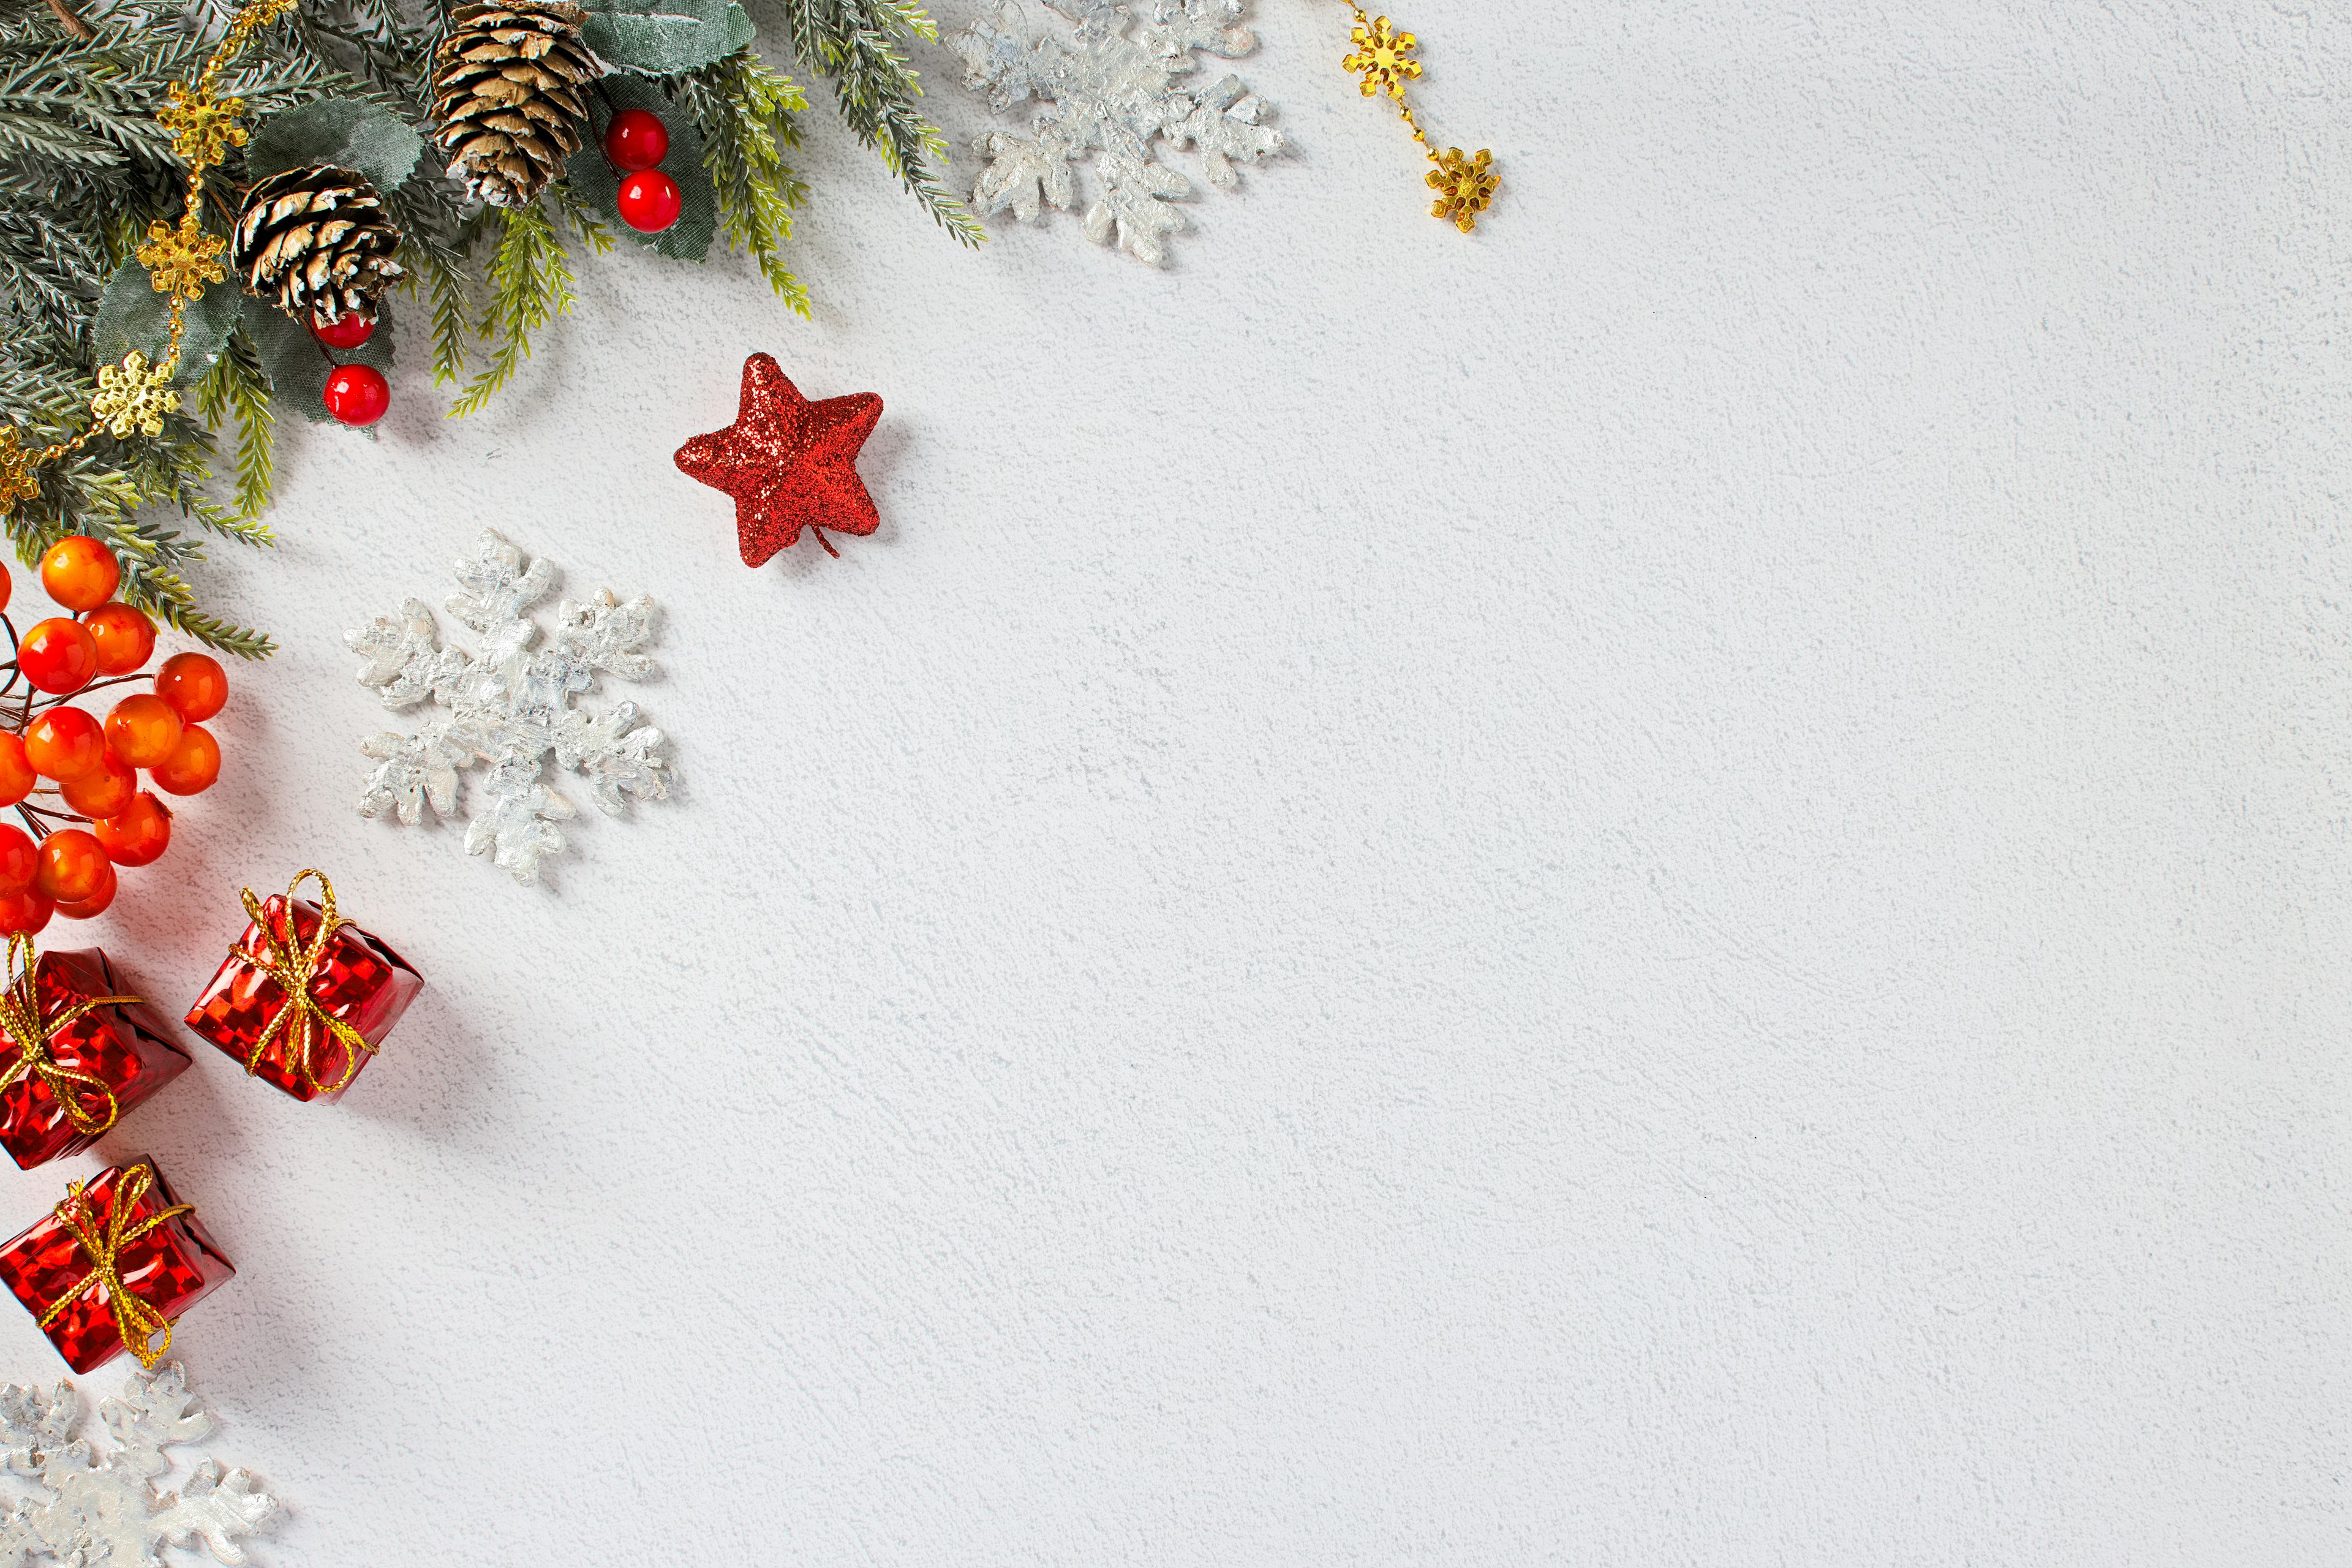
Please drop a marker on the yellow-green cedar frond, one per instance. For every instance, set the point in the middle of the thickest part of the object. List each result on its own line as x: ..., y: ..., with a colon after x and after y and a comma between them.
x: 530, y: 285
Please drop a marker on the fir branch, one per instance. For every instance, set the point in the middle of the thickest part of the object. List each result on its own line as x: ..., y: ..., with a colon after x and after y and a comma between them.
x: 530, y: 285
x: 239, y: 385
x: 590, y: 228
x: 744, y: 111
x: 858, y: 43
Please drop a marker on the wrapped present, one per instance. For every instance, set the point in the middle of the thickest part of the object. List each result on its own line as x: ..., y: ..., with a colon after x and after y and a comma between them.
x: 75, y: 1053
x: 306, y: 996
x: 112, y: 1266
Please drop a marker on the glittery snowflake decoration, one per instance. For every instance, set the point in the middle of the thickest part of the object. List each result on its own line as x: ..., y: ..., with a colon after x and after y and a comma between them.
x: 98, y: 1505
x: 509, y: 706
x: 1105, y: 75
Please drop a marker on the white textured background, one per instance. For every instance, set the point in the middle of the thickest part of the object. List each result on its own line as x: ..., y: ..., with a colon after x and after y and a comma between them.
x: 1664, y: 887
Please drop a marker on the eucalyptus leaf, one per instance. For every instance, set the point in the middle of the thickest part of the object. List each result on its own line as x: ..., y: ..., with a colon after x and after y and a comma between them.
x: 298, y: 365
x: 343, y: 131
x: 662, y: 38
x: 598, y: 186
x: 131, y: 315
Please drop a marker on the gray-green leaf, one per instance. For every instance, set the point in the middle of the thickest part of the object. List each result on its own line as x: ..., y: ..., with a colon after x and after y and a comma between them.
x: 343, y: 132
x: 131, y: 315
x: 662, y: 38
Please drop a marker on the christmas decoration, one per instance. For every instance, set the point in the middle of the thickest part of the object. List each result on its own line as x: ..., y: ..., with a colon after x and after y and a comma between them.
x: 789, y: 463
x: 357, y: 393
x: 103, y: 1506
x: 306, y: 998
x: 508, y: 92
x: 75, y: 1053
x: 635, y: 139
x: 1105, y: 77
x: 114, y: 1265
x: 317, y: 240
x: 90, y: 816
x: 648, y: 200
x: 1383, y: 62
x: 347, y: 331
x: 510, y: 707
x: 137, y: 129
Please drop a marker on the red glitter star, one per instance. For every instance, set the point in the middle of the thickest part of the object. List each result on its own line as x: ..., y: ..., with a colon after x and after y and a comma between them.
x: 789, y: 463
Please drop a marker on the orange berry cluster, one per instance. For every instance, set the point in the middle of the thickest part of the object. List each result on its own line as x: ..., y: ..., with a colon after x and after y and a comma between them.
x: 92, y: 768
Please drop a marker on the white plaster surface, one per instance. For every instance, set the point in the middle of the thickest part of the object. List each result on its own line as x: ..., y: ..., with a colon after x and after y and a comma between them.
x: 1664, y: 887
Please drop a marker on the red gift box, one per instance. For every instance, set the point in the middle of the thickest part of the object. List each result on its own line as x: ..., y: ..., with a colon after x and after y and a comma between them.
x: 75, y: 1053
x: 114, y: 1266
x: 306, y: 996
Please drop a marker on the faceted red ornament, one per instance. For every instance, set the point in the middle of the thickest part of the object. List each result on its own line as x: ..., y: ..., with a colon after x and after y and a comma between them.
x: 789, y: 463
x: 112, y: 1266
x: 358, y: 983
x: 86, y: 1072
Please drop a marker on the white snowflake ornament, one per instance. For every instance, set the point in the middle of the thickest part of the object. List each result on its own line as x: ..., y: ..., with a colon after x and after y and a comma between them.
x: 1104, y: 80
x: 101, y: 1506
x: 509, y: 706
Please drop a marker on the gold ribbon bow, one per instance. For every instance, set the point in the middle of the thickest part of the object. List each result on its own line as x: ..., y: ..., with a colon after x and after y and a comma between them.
x: 20, y: 1018
x: 291, y: 965
x: 135, y: 1319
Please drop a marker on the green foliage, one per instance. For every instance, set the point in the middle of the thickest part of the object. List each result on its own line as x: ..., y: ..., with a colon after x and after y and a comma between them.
x: 530, y: 285
x: 85, y: 168
x: 858, y: 44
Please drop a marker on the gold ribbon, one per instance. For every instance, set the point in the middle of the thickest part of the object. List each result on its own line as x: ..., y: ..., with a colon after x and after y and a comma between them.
x: 135, y: 1319
x: 291, y: 965
x: 21, y: 1020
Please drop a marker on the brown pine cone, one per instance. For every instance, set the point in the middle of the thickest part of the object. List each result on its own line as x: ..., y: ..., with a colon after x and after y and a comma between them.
x: 510, y: 96
x: 318, y: 241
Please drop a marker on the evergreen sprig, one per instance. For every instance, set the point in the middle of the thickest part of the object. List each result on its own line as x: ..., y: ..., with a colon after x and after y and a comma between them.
x: 85, y: 168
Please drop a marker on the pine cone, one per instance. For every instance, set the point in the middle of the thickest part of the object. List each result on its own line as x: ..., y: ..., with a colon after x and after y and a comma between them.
x: 510, y: 94
x: 318, y: 240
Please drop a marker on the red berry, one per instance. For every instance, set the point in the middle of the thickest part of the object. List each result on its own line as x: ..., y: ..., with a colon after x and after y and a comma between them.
x: 193, y: 765
x: 124, y: 638
x: 142, y: 730
x: 57, y: 655
x: 82, y: 908
x: 136, y: 837
x: 20, y: 862
x: 80, y: 572
x: 16, y: 774
x: 345, y: 332
x: 193, y: 684
x: 65, y: 743
x: 649, y: 201
x: 636, y: 140
x: 73, y: 865
x: 26, y: 912
x: 357, y: 393
x: 104, y: 790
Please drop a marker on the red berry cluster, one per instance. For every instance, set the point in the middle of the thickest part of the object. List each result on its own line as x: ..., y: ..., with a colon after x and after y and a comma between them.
x: 92, y: 768
x: 634, y: 143
x: 356, y: 394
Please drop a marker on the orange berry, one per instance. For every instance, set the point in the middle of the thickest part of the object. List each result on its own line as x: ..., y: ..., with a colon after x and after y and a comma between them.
x: 73, y: 865
x: 64, y: 743
x: 17, y: 776
x: 80, y: 572
x: 82, y: 908
x: 7, y: 586
x: 57, y: 655
x: 193, y: 765
x: 142, y: 729
x: 124, y: 636
x: 104, y: 790
x: 24, y: 912
x: 138, y: 836
x: 20, y: 861
x: 193, y: 684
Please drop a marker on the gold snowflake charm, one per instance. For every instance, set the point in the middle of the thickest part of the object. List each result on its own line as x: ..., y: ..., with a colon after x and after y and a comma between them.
x: 181, y: 261
x: 1464, y: 186
x: 203, y: 128
x: 1382, y: 59
x: 16, y: 481
x: 131, y: 397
